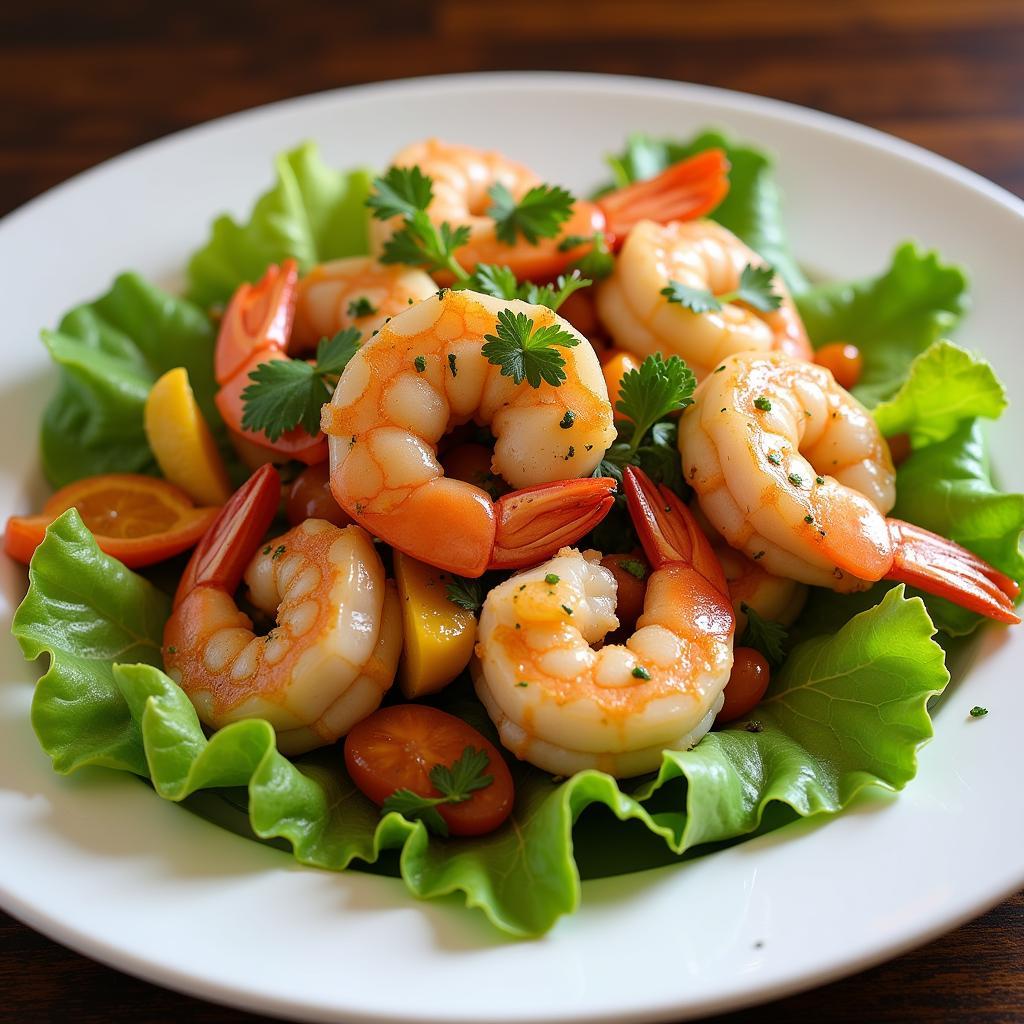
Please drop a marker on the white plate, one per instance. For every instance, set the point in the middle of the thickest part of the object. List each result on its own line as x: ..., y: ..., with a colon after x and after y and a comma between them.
x: 99, y: 863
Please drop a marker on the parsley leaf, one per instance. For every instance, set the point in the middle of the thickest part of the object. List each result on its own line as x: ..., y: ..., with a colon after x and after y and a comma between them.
x: 755, y: 290
x: 596, y: 263
x: 456, y: 784
x: 400, y: 193
x: 526, y: 354
x: 539, y: 214
x: 648, y: 394
x: 764, y: 635
x: 289, y: 393
x: 468, y: 594
x: 501, y: 282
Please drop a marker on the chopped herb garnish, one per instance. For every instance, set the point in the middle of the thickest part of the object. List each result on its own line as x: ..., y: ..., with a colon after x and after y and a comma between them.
x: 635, y: 568
x: 468, y: 594
x: 456, y: 784
x: 566, y: 609
x: 289, y: 393
x: 551, y: 579
x: 420, y: 363
x: 763, y: 404
x: 567, y: 420
x: 808, y: 518
x: 171, y: 649
x: 451, y: 364
x: 819, y: 479
x: 795, y: 479
x: 641, y: 673
x: 978, y: 712
x: 755, y: 290
x: 774, y: 458
x: 754, y: 726
x: 526, y: 354
x: 278, y: 552
x: 539, y: 214
x: 521, y: 683
x: 764, y: 635
x: 361, y: 307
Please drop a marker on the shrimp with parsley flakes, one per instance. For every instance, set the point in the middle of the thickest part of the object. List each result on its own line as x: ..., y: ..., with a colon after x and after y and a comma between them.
x: 792, y: 470
x: 564, y: 706
x: 456, y: 357
x: 695, y: 290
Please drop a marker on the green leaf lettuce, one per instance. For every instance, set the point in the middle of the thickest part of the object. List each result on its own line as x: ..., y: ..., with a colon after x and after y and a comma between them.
x: 846, y: 712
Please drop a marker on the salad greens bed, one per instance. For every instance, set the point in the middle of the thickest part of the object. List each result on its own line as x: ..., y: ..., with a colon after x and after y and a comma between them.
x: 847, y: 710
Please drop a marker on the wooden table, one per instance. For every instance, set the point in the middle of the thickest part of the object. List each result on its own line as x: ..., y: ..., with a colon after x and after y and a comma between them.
x: 80, y: 83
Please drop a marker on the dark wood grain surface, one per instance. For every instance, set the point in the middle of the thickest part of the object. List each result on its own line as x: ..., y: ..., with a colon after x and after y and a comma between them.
x: 80, y: 82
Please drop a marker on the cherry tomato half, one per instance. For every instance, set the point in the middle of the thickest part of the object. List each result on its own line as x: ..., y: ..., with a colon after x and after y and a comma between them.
x: 843, y: 360
x: 310, y: 497
x: 630, y: 572
x: 396, y: 747
x: 747, y: 683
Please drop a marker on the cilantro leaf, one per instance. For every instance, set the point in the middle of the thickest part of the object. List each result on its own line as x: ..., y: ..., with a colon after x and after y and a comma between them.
x: 553, y: 295
x: 526, y: 354
x: 456, y: 784
x: 413, y: 806
x: 284, y: 393
x: 764, y: 635
x: 332, y: 355
x: 755, y: 290
x: 288, y: 393
x: 658, y: 387
x: 401, y: 192
x: 467, y: 594
x: 492, y: 279
x: 466, y: 775
x: 539, y: 214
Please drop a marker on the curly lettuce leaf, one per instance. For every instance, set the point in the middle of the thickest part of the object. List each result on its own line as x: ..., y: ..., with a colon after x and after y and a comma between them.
x: 847, y: 711
x: 313, y: 213
x: 947, y: 488
x: 753, y: 207
x: 87, y: 611
x: 110, y: 352
x: 945, y: 386
x: 891, y: 318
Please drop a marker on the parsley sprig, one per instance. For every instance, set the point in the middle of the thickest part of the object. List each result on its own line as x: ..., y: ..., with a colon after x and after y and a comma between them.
x: 527, y: 354
x: 456, y: 784
x: 653, y: 391
x: 755, y: 290
x: 467, y: 594
x: 288, y: 393
x: 500, y: 281
x: 539, y: 214
x: 406, y: 192
x: 764, y: 635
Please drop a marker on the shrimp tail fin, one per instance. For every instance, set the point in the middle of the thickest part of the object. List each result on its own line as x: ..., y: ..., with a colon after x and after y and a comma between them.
x: 534, y: 522
x: 941, y: 567
x: 226, y: 548
x: 684, y: 191
x: 667, y: 528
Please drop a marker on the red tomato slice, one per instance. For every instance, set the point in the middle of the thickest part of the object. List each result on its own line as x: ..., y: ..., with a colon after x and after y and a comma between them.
x: 396, y: 747
x: 140, y: 520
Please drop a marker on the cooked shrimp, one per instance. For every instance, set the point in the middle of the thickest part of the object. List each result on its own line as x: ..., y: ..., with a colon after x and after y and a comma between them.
x: 700, y: 254
x: 355, y: 292
x: 792, y: 470
x: 333, y: 651
x: 563, y: 706
x: 423, y: 374
x: 462, y: 176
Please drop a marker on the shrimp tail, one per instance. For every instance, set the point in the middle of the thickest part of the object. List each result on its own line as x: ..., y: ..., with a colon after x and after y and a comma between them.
x: 534, y: 522
x: 941, y: 567
x: 227, y: 547
x: 684, y: 191
x: 668, y: 530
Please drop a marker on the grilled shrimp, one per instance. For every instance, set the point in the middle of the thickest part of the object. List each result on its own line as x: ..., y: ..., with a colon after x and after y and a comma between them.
x: 703, y: 255
x: 462, y: 176
x: 423, y: 374
x: 334, y: 649
x: 564, y: 706
x: 355, y: 292
x: 792, y: 470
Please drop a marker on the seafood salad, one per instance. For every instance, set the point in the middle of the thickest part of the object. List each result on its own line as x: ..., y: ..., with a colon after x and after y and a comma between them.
x: 451, y: 505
